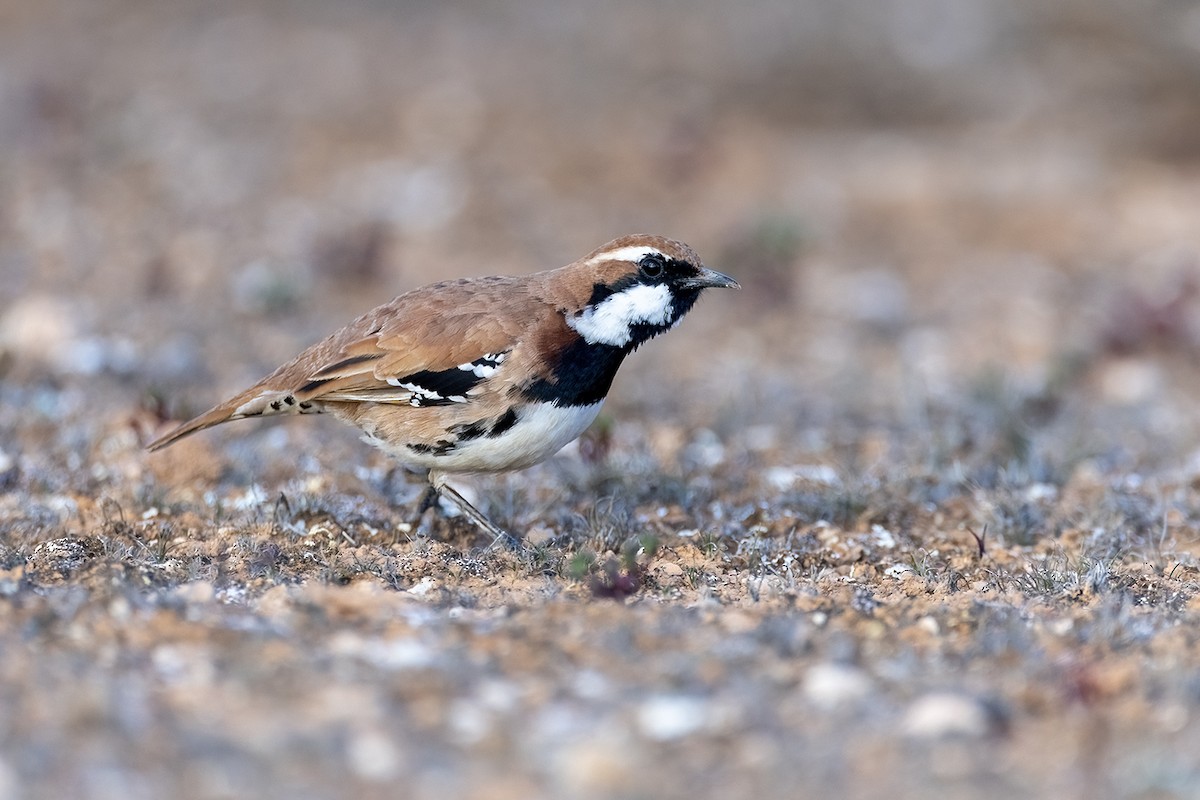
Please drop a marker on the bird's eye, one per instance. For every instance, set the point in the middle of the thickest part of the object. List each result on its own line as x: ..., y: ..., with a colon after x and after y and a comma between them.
x: 652, y: 265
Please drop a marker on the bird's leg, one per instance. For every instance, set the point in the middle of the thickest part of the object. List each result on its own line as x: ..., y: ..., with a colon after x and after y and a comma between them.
x: 437, y: 482
x: 428, y: 500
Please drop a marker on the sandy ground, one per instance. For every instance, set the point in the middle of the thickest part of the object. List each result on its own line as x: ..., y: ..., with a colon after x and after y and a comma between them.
x: 916, y: 513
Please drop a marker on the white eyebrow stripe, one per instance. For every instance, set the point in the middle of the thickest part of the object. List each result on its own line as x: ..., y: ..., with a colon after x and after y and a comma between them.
x: 633, y: 253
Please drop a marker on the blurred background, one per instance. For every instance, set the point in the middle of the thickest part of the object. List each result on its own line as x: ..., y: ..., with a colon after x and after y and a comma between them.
x: 925, y: 200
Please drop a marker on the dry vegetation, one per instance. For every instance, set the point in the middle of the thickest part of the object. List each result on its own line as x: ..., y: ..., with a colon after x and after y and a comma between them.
x: 917, y: 513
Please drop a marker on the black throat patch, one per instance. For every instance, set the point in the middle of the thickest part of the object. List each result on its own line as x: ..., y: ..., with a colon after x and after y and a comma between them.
x: 581, y: 376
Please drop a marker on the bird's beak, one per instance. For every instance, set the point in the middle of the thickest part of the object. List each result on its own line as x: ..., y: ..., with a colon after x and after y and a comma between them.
x: 711, y: 279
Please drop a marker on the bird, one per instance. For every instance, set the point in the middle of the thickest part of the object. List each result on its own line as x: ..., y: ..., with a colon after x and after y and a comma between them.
x: 487, y: 374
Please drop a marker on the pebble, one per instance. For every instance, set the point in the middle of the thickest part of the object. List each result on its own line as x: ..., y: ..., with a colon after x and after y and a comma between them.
x: 882, y: 537
x: 373, y: 756
x: 605, y: 764
x: 1130, y: 381
x: 399, y: 654
x: 669, y: 717
x: 941, y: 715
x: 1061, y: 626
x: 829, y: 686
x: 669, y: 568
x: 40, y: 327
x: 189, y: 665
x: 536, y: 537
x: 589, y: 684
x: 423, y: 586
x: 783, y: 478
x: 705, y: 450
x: 8, y: 469
x: 468, y: 723
x: 196, y: 592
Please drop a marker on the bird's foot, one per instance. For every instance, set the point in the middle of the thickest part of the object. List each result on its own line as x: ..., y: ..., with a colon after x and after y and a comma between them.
x: 439, y: 487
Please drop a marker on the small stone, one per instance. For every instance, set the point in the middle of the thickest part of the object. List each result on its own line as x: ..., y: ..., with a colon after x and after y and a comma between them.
x: 1061, y: 626
x: 373, y: 756
x: 783, y: 478
x: 469, y: 724
x: 61, y: 557
x: 253, y: 497
x: 196, y: 592
x: 667, y: 573
x: 423, y: 586
x: 537, y: 537
x: 941, y: 715
x: 40, y: 327
x: 602, y: 765
x: 1041, y: 493
x: 882, y: 537
x: 184, y: 664
x: 10, y: 580
x: 1130, y: 381
x: 8, y: 470
x: 706, y: 449
x: 669, y: 717
x: 275, y: 603
x: 398, y: 654
x: 830, y: 686
x: 592, y: 685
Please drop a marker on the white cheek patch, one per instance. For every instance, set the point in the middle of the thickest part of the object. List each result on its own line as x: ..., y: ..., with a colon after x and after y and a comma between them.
x: 610, y: 321
x: 633, y: 253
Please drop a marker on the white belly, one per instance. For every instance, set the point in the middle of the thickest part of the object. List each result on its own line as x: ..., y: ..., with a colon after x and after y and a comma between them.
x: 541, y: 430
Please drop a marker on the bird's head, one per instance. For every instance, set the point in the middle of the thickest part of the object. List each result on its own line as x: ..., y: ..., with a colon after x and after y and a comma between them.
x: 635, y: 288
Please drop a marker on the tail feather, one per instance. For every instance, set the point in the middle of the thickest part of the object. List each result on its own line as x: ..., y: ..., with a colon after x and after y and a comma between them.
x: 256, y: 402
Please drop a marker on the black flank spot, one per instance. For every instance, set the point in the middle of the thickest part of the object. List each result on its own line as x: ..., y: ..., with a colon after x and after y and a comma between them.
x: 465, y: 433
x: 504, y: 423
x: 483, y: 427
x: 275, y: 406
x: 442, y: 447
x: 305, y: 406
x: 291, y: 401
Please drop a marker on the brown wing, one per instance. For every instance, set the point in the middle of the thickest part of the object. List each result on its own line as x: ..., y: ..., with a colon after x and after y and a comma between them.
x: 418, y: 345
x: 428, y: 338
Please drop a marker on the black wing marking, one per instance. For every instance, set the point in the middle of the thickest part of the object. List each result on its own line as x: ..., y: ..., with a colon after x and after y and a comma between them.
x: 437, y: 388
x: 445, y: 386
